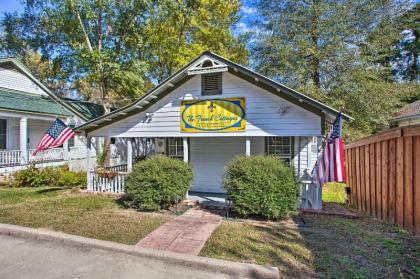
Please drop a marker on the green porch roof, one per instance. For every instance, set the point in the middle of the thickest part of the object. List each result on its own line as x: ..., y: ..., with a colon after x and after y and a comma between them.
x: 88, y: 109
x: 18, y: 101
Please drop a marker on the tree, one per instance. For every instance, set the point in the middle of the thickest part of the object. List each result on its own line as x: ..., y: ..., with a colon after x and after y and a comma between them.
x: 333, y: 50
x: 113, y: 51
x: 407, y: 58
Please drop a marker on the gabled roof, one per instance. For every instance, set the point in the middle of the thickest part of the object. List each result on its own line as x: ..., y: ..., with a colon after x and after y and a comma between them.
x: 21, y: 67
x: 409, y: 111
x: 88, y: 109
x: 184, y: 74
x: 19, y: 101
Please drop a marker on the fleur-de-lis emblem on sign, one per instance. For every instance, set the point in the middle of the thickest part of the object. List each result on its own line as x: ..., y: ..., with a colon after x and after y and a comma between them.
x: 211, y: 107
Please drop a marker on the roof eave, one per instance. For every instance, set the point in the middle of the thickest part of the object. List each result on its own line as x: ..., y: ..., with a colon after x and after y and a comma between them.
x: 170, y: 81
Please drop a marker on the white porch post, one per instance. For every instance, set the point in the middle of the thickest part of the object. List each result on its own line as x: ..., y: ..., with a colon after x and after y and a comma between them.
x: 185, y: 147
x: 186, y: 155
x: 129, y: 155
x: 248, y: 147
x: 23, y: 140
x: 88, y: 149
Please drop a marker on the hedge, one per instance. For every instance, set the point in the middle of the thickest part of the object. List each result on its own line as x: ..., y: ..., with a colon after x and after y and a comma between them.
x: 261, y: 186
x: 158, y: 182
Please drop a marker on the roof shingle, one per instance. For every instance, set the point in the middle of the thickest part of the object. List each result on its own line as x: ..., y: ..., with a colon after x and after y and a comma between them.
x: 31, y: 103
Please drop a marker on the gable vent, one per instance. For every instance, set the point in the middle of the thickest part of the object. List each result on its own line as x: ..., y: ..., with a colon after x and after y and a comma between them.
x: 211, y: 84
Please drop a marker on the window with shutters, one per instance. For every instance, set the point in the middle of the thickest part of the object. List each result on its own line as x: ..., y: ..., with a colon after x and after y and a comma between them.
x: 211, y: 84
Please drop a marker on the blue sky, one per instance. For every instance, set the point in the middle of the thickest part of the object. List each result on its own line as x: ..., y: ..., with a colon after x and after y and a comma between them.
x: 10, y: 6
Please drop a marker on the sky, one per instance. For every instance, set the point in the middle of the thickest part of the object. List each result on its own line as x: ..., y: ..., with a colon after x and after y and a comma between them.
x: 10, y: 6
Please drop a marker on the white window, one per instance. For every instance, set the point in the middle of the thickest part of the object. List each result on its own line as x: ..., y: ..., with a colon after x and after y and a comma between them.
x: 279, y: 146
x: 3, y: 135
x: 175, y: 148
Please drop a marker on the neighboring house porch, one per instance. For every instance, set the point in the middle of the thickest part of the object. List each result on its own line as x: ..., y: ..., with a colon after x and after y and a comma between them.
x: 24, y: 119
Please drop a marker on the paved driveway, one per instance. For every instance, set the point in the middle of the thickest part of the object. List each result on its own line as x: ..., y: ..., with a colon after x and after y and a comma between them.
x: 25, y: 258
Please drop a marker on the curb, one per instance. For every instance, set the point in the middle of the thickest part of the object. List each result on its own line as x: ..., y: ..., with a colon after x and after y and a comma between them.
x: 236, y: 270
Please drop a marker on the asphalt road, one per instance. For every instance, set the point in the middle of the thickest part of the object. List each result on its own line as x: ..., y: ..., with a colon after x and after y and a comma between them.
x: 25, y: 258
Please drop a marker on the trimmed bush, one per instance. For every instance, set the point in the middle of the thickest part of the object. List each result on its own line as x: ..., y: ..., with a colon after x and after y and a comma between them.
x: 156, y: 182
x: 261, y: 186
x: 43, y: 177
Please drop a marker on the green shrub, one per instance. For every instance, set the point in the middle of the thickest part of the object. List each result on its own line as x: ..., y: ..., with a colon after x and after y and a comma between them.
x: 261, y: 186
x: 156, y: 182
x: 51, y: 176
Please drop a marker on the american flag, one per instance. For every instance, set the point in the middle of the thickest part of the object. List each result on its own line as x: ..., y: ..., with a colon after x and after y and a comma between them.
x: 56, y: 135
x: 330, y: 164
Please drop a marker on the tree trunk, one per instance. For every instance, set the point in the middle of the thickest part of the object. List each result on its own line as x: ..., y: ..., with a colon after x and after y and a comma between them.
x: 316, y: 71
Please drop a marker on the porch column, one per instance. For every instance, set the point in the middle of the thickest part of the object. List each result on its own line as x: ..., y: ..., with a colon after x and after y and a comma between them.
x: 88, y: 150
x: 248, y: 146
x: 185, y: 147
x: 129, y: 155
x: 186, y: 159
x: 23, y: 140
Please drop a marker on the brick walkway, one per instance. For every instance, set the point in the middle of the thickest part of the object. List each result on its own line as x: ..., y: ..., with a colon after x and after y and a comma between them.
x: 184, y: 234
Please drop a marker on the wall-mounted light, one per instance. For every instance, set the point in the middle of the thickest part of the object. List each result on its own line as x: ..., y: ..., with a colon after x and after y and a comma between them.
x: 283, y: 109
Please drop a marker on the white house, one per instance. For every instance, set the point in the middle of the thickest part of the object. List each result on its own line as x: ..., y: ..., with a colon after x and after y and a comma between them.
x: 27, y: 110
x: 212, y: 110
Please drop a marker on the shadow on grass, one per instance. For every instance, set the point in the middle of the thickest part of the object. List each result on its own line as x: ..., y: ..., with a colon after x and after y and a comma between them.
x: 360, y: 248
x: 51, y: 189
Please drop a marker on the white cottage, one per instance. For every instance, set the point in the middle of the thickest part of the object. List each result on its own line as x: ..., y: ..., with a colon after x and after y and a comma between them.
x: 27, y: 110
x: 214, y: 109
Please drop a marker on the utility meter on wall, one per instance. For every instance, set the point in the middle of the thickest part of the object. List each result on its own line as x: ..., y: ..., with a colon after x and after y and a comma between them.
x: 160, y: 146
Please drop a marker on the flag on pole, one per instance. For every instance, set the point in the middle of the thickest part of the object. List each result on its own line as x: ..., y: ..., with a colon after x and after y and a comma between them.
x: 55, y: 136
x: 330, y: 164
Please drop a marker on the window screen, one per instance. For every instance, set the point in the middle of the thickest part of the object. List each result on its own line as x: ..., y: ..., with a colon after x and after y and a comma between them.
x: 279, y: 146
x: 175, y: 148
x: 211, y: 84
x: 3, y: 136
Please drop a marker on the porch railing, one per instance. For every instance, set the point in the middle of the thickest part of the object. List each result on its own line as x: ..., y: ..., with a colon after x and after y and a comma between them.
x: 117, y: 168
x: 311, y: 197
x: 9, y: 157
x: 53, y: 154
x: 101, y: 183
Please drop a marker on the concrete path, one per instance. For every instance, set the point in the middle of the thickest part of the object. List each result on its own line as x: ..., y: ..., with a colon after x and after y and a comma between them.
x: 185, y: 234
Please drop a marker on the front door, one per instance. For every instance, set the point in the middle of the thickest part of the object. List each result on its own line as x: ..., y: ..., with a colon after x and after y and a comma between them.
x: 209, y: 156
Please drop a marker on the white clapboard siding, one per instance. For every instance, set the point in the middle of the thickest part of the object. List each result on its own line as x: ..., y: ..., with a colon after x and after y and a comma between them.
x: 209, y: 156
x: 36, y: 130
x: 262, y: 114
x: 305, y: 155
x: 13, y: 79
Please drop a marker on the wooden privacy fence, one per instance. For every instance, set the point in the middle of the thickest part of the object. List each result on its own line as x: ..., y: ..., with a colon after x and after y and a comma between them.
x: 383, y: 173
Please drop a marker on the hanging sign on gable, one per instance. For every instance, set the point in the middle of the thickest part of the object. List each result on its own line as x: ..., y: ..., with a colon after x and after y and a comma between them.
x: 215, y: 115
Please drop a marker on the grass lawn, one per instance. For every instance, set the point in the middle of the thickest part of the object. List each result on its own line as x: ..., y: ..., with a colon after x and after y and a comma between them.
x: 330, y: 247
x: 334, y: 192
x: 74, y: 213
